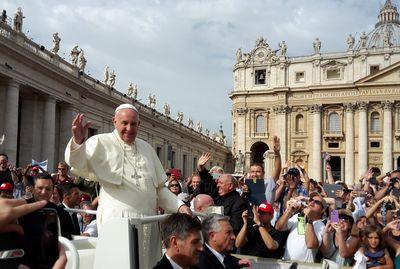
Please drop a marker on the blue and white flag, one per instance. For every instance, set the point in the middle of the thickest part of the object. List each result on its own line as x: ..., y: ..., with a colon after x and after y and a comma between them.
x: 42, y: 164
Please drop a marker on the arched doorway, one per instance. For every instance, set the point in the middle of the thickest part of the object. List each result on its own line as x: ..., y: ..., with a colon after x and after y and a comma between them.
x: 257, y: 151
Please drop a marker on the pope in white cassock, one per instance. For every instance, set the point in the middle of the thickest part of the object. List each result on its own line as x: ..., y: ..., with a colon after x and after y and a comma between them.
x: 129, y: 171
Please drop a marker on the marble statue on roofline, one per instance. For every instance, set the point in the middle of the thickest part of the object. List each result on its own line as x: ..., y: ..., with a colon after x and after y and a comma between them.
x: 239, y: 55
x: 317, y: 46
x: 151, y: 101
x: 350, y: 42
x: 199, y: 127
x: 179, y: 117
x: 283, y: 48
x: 82, y: 61
x: 56, y: 44
x: 18, y: 20
x: 190, y: 123
x: 112, y: 79
x: 74, y: 55
x: 363, y: 40
x: 207, y: 132
x: 132, y: 91
x: 105, y: 75
x: 167, y: 110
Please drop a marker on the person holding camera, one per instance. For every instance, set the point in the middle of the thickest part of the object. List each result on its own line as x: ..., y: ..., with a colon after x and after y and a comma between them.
x: 257, y: 236
x: 392, y: 185
x: 305, y: 226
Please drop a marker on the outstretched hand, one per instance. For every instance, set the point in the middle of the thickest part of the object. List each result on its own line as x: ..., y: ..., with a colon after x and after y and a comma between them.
x: 276, y: 144
x: 79, y: 130
x: 204, y: 158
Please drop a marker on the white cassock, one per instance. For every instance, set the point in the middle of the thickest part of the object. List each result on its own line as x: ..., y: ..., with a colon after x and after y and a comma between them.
x: 132, y: 182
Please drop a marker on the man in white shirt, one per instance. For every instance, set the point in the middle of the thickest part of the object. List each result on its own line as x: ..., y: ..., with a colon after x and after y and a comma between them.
x: 128, y: 169
x: 181, y: 236
x: 306, y: 228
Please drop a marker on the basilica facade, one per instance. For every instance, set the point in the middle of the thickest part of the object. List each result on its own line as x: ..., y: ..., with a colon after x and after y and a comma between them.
x: 346, y: 104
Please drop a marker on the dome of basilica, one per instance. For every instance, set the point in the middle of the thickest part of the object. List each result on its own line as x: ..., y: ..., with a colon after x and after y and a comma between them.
x: 387, y: 31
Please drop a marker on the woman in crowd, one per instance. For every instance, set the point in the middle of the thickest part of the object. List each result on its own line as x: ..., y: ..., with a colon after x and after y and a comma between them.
x: 338, y: 244
x: 174, y: 187
x: 392, y: 233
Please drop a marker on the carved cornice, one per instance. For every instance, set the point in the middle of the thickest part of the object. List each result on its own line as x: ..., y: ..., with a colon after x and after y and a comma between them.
x: 387, y: 105
x: 316, y: 108
x: 362, y: 106
x: 241, y: 111
x: 349, y: 107
x: 282, y: 109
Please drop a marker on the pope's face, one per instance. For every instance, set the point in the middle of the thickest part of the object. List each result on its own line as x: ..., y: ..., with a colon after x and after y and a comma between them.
x: 126, y: 121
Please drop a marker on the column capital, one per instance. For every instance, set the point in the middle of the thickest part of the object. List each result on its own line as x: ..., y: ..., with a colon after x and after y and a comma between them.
x: 349, y: 107
x: 51, y: 99
x: 241, y: 111
x: 387, y: 105
x: 316, y: 108
x: 281, y: 109
x: 362, y: 106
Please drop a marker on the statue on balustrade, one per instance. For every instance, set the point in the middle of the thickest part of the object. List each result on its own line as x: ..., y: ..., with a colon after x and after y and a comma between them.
x: 75, y: 54
x: 18, y: 20
x: 56, y: 43
x: 112, y: 79
x: 132, y: 91
x: 167, y: 110
x: 82, y: 62
x: 179, y: 117
x: 350, y: 42
x: 105, y: 75
x: 317, y: 46
x: 190, y: 123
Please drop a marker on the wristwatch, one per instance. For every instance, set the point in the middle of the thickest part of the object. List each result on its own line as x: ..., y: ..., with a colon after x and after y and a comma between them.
x: 309, y: 221
x: 257, y: 226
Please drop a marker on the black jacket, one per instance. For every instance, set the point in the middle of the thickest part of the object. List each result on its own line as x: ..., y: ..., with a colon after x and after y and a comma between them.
x: 75, y: 229
x: 165, y: 264
x: 208, y: 260
x: 207, y: 185
x: 234, y: 205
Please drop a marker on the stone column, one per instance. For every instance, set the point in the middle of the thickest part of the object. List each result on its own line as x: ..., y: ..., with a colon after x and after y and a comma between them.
x: 49, y: 133
x: 316, y: 171
x: 11, y: 106
x: 280, y: 112
x: 362, y: 138
x: 241, y: 132
x: 349, y: 165
x: 342, y: 165
x: 269, y: 162
x: 387, y: 136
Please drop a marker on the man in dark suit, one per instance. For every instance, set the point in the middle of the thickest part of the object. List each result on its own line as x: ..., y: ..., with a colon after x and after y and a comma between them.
x: 181, y: 236
x: 219, y: 241
x: 71, y: 199
x: 229, y: 198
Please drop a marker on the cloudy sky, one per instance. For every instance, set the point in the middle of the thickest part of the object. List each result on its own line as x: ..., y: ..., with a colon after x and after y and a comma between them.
x: 183, y: 51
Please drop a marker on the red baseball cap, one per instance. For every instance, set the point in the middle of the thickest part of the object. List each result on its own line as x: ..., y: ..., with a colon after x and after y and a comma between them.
x: 35, y: 168
x: 265, y: 208
x: 85, y: 197
x: 6, y: 187
x: 175, y: 173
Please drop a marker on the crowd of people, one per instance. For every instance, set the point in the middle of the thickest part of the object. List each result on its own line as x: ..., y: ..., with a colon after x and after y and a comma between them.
x: 286, y: 215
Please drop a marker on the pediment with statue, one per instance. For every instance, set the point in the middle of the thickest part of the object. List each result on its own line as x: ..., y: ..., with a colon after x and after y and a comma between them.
x: 260, y: 54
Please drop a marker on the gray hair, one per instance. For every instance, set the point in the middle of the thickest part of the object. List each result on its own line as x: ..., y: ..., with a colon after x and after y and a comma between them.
x: 211, y: 224
x: 217, y: 168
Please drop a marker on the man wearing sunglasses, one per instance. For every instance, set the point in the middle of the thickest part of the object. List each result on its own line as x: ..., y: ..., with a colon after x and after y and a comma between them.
x: 305, y: 227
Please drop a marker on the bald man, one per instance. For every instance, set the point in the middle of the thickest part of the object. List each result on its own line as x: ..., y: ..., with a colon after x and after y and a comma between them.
x: 128, y: 169
x: 202, y: 201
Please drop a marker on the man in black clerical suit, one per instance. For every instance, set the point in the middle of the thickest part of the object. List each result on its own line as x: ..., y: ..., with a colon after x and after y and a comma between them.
x: 219, y: 241
x: 181, y: 236
x: 71, y: 199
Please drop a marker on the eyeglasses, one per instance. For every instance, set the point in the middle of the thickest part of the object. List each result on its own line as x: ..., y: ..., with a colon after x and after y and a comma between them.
x: 316, y: 202
x: 174, y: 185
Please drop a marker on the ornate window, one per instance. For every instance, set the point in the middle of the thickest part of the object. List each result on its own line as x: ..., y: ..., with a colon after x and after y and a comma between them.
x: 375, y: 122
x: 260, y: 124
x: 300, y: 126
x: 334, y: 122
x: 260, y: 76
